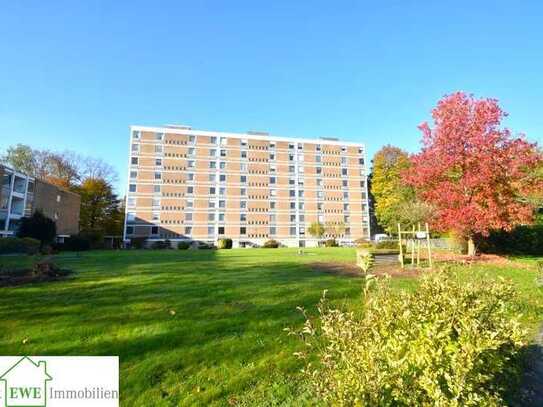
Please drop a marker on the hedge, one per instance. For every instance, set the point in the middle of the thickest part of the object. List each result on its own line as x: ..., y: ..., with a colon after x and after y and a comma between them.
x: 521, y: 240
x: 13, y: 245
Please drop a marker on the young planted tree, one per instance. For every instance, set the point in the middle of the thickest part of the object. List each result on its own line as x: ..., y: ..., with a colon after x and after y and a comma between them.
x: 475, y: 174
x: 39, y: 227
x: 316, y: 229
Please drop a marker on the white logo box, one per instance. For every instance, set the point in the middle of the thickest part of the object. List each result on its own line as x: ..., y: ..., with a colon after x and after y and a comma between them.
x: 59, y: 381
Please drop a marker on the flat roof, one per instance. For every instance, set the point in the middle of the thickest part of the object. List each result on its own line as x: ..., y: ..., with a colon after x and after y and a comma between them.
x: 192, y: 132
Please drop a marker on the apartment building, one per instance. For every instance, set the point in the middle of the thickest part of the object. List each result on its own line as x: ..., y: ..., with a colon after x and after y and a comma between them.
x: 205, y: 185
x: 21, y: 195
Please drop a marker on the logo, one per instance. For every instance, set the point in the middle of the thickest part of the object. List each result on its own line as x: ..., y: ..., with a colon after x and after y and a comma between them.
x: 25, y: 384
x: 59, y: 381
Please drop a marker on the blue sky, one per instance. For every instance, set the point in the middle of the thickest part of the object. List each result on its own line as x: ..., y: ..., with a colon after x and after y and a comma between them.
x: 75, y: 75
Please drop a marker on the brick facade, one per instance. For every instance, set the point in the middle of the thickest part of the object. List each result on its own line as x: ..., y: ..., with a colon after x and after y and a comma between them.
x: 187, y: 184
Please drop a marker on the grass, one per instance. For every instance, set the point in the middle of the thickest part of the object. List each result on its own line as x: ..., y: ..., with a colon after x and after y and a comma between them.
x: 196, y: 327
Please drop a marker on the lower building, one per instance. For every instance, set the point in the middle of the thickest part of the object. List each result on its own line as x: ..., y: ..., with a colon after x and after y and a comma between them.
x: 21, y: 195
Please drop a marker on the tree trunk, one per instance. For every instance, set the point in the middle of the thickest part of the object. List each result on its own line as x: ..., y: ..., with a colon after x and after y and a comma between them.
x: 471, y: 246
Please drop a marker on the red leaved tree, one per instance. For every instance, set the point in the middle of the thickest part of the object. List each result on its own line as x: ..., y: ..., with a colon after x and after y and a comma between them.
x: 475, y: 174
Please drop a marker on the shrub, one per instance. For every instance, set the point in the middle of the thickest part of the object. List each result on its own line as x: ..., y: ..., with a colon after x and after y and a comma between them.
x: 271, y: 244
x: 224, y: 243
x: 387, y: 244
x: 76, y: 243
x: 330, y: 243
x: 161, y: 245
x: 183, y: 245
x: 205, y: 246
x: 26, y: 245
x: 521, y: 240
x: 449, y: 343
x: 138, y: 242
x: 94, y: 237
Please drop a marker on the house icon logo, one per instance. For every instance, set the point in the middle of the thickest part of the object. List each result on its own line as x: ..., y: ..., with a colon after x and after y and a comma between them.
x: 25, y: 384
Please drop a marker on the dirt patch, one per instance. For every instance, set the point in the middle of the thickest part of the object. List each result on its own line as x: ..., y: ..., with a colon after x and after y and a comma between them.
x: 468, y: 260
x: 346, y: 269
x: 40, y: 272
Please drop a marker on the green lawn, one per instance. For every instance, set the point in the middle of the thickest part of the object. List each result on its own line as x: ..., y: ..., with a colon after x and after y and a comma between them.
x: 195, y: 327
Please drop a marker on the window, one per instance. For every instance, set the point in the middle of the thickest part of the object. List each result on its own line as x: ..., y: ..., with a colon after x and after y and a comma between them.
x: 272, y: 218
x: 302, y: 230
x: 222, y: 165
x: 213, y: 140
x: 136, y: 135
x: 131, y: 216
x: 212, y: 152
x: 211, y: 204
x: 221, y: 230
x: 212, y: 177
x: 360, y: 150
x: 343, y: 148
x: 344, y: 171
x: 318, y: 147
x: 292, y: 231
x: 158, y: 175
x: 272, y: 144
x: 158, y: 162
x: 320, y: 206
x: 191, y: 151
x: 345, y: 195
x: 291, y: 146
x: 155, y: 216
x: 318, y: 170
x: 130, y: 230
x: 345, y: 207
x: 301, y: 205
x: 192, y: 139
x: 272, y: 205
x: 343, y: 160
x: 272, y: 180
x: 154, y: 230
x: 243, y: 168
x: 155, y: 202
x: 272, y: 156
x: 156, y: 188
x: 291, y: 181
x: 189, y: 204
x: 243, y: 230
x: 222, y: 203
x: 222, y: 178
x: 273, y: 192
x: 243, y: 179
x: 292, y: 193
x: 300, y: 146
x: 320, y: 195
x: 361, y: 161
x: 210, y: 230
x: 222, y: 190
x: 321, y: 218
x: 301, y: 193
x: 212, y: 164
x: 30, y: 187
x: 188, y: 216
x: 135, y: 148
x: 319, y: 182
x: 221, y: 217
x: 159, y: 136
x: 243, y: 217
x: 131, y: 201
x: 132, y: 188
x: 134, y: 161
x: 293, y: 205
x: 243, y: 204
x: 190, y: 190
x: 293, y: 218
x: 318, y: 158
x: 291, y: 157
x: 243, y: 191
x: 273, y: 230
x: 211, y: 217
x: 212, y: 191
x: 224, y: 140
x: 158, y: 148
x: 190, y: 176
x: 244, y: 154
x: 243, y: 142
x: 188, y: 230
x: 302, y: 219
x: 291, y: 168
x: 190, y: 163
x: 345, y: 183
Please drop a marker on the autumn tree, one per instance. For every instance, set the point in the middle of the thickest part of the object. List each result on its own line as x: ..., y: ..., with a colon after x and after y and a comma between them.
x: 474, y: 173
x: 388, y: 188
x: 100, y: 207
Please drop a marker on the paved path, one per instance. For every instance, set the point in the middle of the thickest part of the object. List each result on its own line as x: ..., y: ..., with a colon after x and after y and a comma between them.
x: 532, y: 382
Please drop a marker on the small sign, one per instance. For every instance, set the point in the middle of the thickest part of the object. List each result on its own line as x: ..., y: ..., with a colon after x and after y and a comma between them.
x: 421, y: 235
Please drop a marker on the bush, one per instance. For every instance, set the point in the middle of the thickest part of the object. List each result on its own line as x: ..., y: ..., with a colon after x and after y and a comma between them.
x: 387, y: 244
x: 224, y: 243
x: 94, y: 237
x: 161, y: 245
x: 521, y: 240
x: 39, y: 227
x: 271, y: 244
x: 138, y: 242
x: 330, y: 243
x: 205, y: 246
x: 25, y: 245
x: 183, y: 245
x: 76, y: 243
x: 449, y: 343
